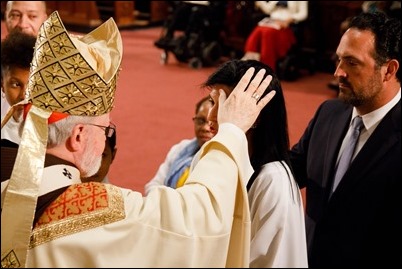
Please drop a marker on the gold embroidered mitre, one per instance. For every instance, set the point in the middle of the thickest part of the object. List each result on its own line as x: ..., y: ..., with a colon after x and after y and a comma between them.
x: 75, y: 75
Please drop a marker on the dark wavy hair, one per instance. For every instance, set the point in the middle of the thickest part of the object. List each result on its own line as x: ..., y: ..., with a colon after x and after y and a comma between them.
x: 269, y: 139
x: 387, y: 33
x: 17, y: 51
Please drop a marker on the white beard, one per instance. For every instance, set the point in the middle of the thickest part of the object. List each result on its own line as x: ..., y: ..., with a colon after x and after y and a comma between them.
x: 90, y: 163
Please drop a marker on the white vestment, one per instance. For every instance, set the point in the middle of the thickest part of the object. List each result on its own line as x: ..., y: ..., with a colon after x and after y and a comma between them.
x: 278, y: 236
x: 205, y: 223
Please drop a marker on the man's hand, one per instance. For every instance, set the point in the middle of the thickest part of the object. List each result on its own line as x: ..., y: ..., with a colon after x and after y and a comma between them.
x: 243, y: 105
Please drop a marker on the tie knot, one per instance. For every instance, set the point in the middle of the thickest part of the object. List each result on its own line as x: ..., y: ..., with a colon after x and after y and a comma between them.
x: 357, y: 123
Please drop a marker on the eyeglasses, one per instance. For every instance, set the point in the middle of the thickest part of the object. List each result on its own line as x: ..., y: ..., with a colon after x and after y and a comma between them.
x: 199, y: 121
x: 109, y: 130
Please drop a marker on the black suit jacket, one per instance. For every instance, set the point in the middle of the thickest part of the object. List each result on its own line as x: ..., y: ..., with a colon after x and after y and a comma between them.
x: 359, y: 225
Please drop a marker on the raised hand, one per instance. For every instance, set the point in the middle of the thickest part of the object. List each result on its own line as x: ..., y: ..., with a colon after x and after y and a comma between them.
x: 243, y: 105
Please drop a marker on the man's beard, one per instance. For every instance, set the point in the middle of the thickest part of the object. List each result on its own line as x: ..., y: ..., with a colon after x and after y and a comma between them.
x: 90, y: 163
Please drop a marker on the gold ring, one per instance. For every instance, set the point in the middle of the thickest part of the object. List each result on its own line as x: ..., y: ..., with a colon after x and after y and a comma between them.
x: 255, y: 96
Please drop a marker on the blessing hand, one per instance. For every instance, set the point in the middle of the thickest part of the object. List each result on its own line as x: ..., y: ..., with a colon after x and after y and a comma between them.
x: 244, y: 104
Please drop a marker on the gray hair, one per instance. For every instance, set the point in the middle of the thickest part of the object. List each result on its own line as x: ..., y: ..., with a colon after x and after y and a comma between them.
x: 60, y: 131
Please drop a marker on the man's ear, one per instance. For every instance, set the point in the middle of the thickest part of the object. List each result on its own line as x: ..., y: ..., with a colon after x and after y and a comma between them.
x: 392, y: 68
x: 75, y: 141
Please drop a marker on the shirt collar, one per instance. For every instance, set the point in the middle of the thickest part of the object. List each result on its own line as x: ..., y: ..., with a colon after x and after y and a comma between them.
x: 372, y: 119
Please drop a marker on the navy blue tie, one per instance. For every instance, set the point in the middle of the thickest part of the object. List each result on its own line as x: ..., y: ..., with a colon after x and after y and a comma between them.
x: 346, y: 157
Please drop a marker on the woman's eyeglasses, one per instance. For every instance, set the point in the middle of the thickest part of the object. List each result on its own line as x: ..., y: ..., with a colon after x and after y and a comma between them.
x: 199, y: 121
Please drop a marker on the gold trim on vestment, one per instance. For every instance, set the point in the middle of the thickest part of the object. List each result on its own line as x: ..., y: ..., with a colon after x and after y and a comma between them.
x: 22, y: 191
x: 112, y: 211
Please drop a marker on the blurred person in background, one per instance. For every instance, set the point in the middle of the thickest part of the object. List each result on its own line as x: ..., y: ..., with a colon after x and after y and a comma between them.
x: 25, y: 16
x: 174, y: 171
x: 274, y: 35
x: 16, y: 56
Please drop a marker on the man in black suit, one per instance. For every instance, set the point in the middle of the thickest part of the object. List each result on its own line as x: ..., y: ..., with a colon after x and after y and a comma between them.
x: 357, y: 223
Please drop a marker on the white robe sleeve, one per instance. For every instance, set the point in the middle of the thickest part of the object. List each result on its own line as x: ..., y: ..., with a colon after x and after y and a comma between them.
x: 192, y: 226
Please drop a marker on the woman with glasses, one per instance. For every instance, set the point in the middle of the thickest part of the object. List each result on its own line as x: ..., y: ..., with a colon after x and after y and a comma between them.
x: 174, y: 170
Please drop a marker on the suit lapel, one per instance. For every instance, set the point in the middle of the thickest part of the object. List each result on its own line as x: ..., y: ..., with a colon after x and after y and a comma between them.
x: 379, y: 143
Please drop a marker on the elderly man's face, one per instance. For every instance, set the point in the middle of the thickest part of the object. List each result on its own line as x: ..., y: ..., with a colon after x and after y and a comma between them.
x: 95, y: 137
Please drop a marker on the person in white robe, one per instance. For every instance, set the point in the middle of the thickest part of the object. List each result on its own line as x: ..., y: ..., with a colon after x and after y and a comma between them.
x: 278, y: 236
